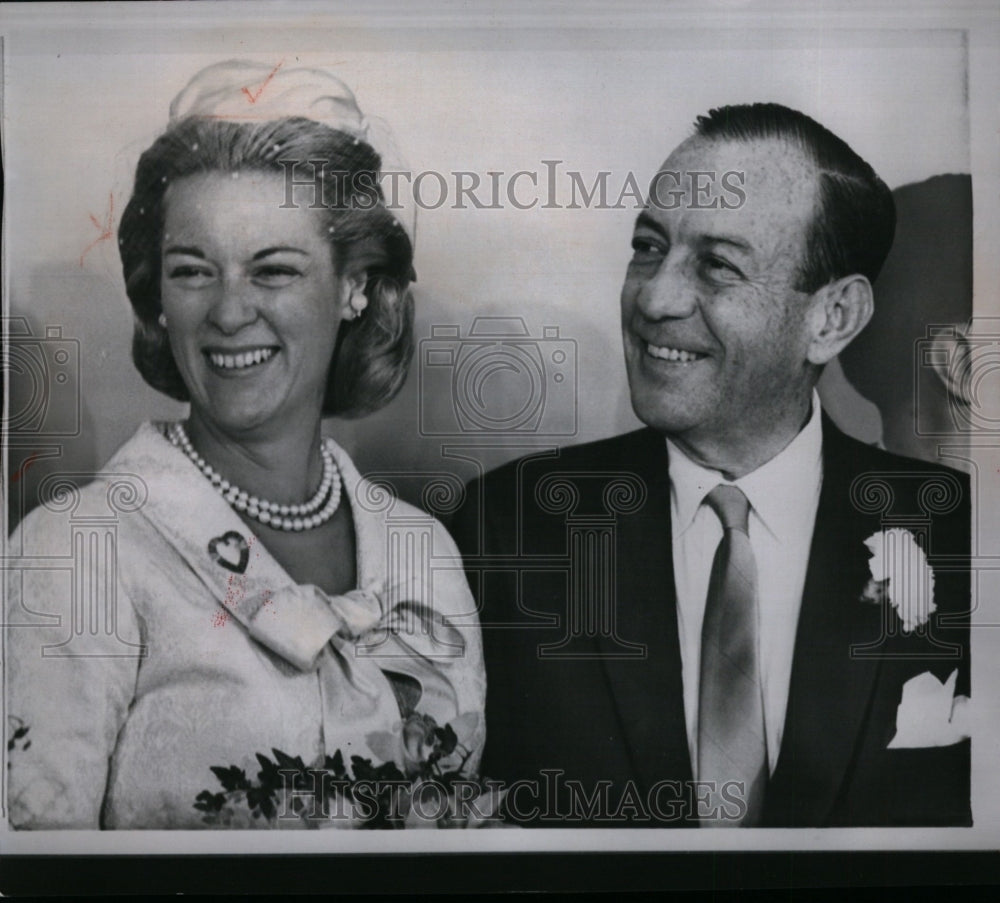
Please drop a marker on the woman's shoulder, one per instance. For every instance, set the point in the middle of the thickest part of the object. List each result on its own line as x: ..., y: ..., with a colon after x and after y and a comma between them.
x: 115, y: 490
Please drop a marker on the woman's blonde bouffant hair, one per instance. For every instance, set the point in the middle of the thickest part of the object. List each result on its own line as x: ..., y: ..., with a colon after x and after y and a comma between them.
x: 373, y: 352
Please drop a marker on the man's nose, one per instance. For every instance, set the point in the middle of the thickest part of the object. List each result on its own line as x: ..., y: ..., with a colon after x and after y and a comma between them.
x: 234, y: 307
x: 669, y: 293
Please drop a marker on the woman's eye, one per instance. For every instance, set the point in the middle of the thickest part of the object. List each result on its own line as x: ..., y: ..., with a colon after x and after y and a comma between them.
x: 275, y: 275
x: 190, y: 275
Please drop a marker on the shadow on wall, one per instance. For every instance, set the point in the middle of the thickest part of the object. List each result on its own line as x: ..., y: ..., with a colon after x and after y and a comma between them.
x: 75, y: 395
x: 904, y: 361
x: 48, y: 428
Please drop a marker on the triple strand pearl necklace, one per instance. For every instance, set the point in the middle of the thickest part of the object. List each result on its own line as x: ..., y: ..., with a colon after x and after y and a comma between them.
x: 291, y: 518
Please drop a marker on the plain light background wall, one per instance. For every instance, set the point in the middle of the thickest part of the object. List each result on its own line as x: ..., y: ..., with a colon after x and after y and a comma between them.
x: 81, y: 105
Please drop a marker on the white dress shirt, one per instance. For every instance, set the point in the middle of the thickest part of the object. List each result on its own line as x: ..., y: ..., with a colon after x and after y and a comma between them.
x: 783, y: 495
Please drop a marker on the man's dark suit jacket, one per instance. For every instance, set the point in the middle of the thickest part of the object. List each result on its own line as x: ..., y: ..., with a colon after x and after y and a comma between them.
x: 593, y: 695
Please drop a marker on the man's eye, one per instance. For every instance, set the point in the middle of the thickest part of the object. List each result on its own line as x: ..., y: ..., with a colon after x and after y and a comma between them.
x: 719, y: 269
x: 646, y: 249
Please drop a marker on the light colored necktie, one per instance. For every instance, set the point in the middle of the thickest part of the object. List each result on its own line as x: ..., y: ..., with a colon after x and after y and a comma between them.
x: 732, y: 743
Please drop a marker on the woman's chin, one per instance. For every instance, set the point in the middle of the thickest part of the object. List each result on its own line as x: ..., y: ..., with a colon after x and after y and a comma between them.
x: 235, y: 420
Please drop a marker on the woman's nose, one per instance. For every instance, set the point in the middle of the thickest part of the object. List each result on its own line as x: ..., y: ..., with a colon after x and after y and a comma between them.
x: 234, y: 307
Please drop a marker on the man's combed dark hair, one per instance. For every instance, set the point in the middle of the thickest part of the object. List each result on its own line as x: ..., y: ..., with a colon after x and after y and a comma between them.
x: 853, y: 227
x: 373, y: 352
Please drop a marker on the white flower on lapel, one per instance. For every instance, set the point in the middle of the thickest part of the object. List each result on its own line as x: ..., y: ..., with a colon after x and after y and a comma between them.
x: 930, y: 714
x: 901, y: 576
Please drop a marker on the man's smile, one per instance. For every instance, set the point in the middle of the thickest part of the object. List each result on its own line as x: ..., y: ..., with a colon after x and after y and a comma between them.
x: 674, y: 355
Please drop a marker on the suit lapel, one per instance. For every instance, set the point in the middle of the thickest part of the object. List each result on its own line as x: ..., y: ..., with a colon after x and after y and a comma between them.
x: 830, y: 688
x: 647, y: 692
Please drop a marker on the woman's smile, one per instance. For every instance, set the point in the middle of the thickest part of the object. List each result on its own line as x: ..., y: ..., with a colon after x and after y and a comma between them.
x: 230, y: 362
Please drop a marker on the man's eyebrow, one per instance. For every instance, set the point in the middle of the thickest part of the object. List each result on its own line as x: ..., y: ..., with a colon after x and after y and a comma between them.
x: 736, y: 243
x: 646, y: 220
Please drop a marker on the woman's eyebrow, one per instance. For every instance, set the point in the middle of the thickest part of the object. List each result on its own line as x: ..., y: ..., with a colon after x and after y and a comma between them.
x: 185, y: 249
x: 279, y: 250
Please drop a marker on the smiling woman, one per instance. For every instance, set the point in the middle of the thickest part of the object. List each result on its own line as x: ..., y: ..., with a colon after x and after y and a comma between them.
x: 250, y: 602
x: 252, y: 324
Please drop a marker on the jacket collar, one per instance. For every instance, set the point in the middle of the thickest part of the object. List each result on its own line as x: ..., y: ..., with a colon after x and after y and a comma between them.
x: 214, y: 543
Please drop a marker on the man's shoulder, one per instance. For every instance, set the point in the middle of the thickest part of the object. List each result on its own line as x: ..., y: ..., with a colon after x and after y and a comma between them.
x: 627, y: 451
x: 842, y: 450
x: 529, y: 489
x: 871, y: 481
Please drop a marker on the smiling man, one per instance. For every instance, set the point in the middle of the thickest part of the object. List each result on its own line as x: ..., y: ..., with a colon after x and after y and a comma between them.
x: 737, y: 615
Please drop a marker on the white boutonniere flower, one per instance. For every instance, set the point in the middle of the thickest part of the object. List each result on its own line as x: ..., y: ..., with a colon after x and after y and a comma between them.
x: 930, y: 714
x: 901, y: 576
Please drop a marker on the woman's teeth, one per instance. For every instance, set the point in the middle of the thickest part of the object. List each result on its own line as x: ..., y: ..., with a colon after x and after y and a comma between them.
x: 672, y: 354
x: 241, y: 360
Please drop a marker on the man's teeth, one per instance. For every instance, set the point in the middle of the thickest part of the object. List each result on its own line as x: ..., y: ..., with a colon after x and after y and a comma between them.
x: 243, y: 359
x: 672, y: 354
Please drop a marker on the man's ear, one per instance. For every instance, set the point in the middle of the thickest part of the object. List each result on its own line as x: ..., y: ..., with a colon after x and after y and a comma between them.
x: 840, y: 310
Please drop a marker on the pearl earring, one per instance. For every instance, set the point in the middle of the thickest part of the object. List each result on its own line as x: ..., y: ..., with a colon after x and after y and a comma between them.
x: 357, y: 303
x: 162, y: 320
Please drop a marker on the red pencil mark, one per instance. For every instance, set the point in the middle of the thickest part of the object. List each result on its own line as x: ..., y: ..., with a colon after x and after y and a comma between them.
x: 105, y: 228
x: 23, y: 469
x: 236, y: 592
x: 253, y: 97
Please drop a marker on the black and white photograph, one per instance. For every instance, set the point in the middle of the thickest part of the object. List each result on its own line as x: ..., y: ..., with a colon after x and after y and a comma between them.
x: 491, y: 429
